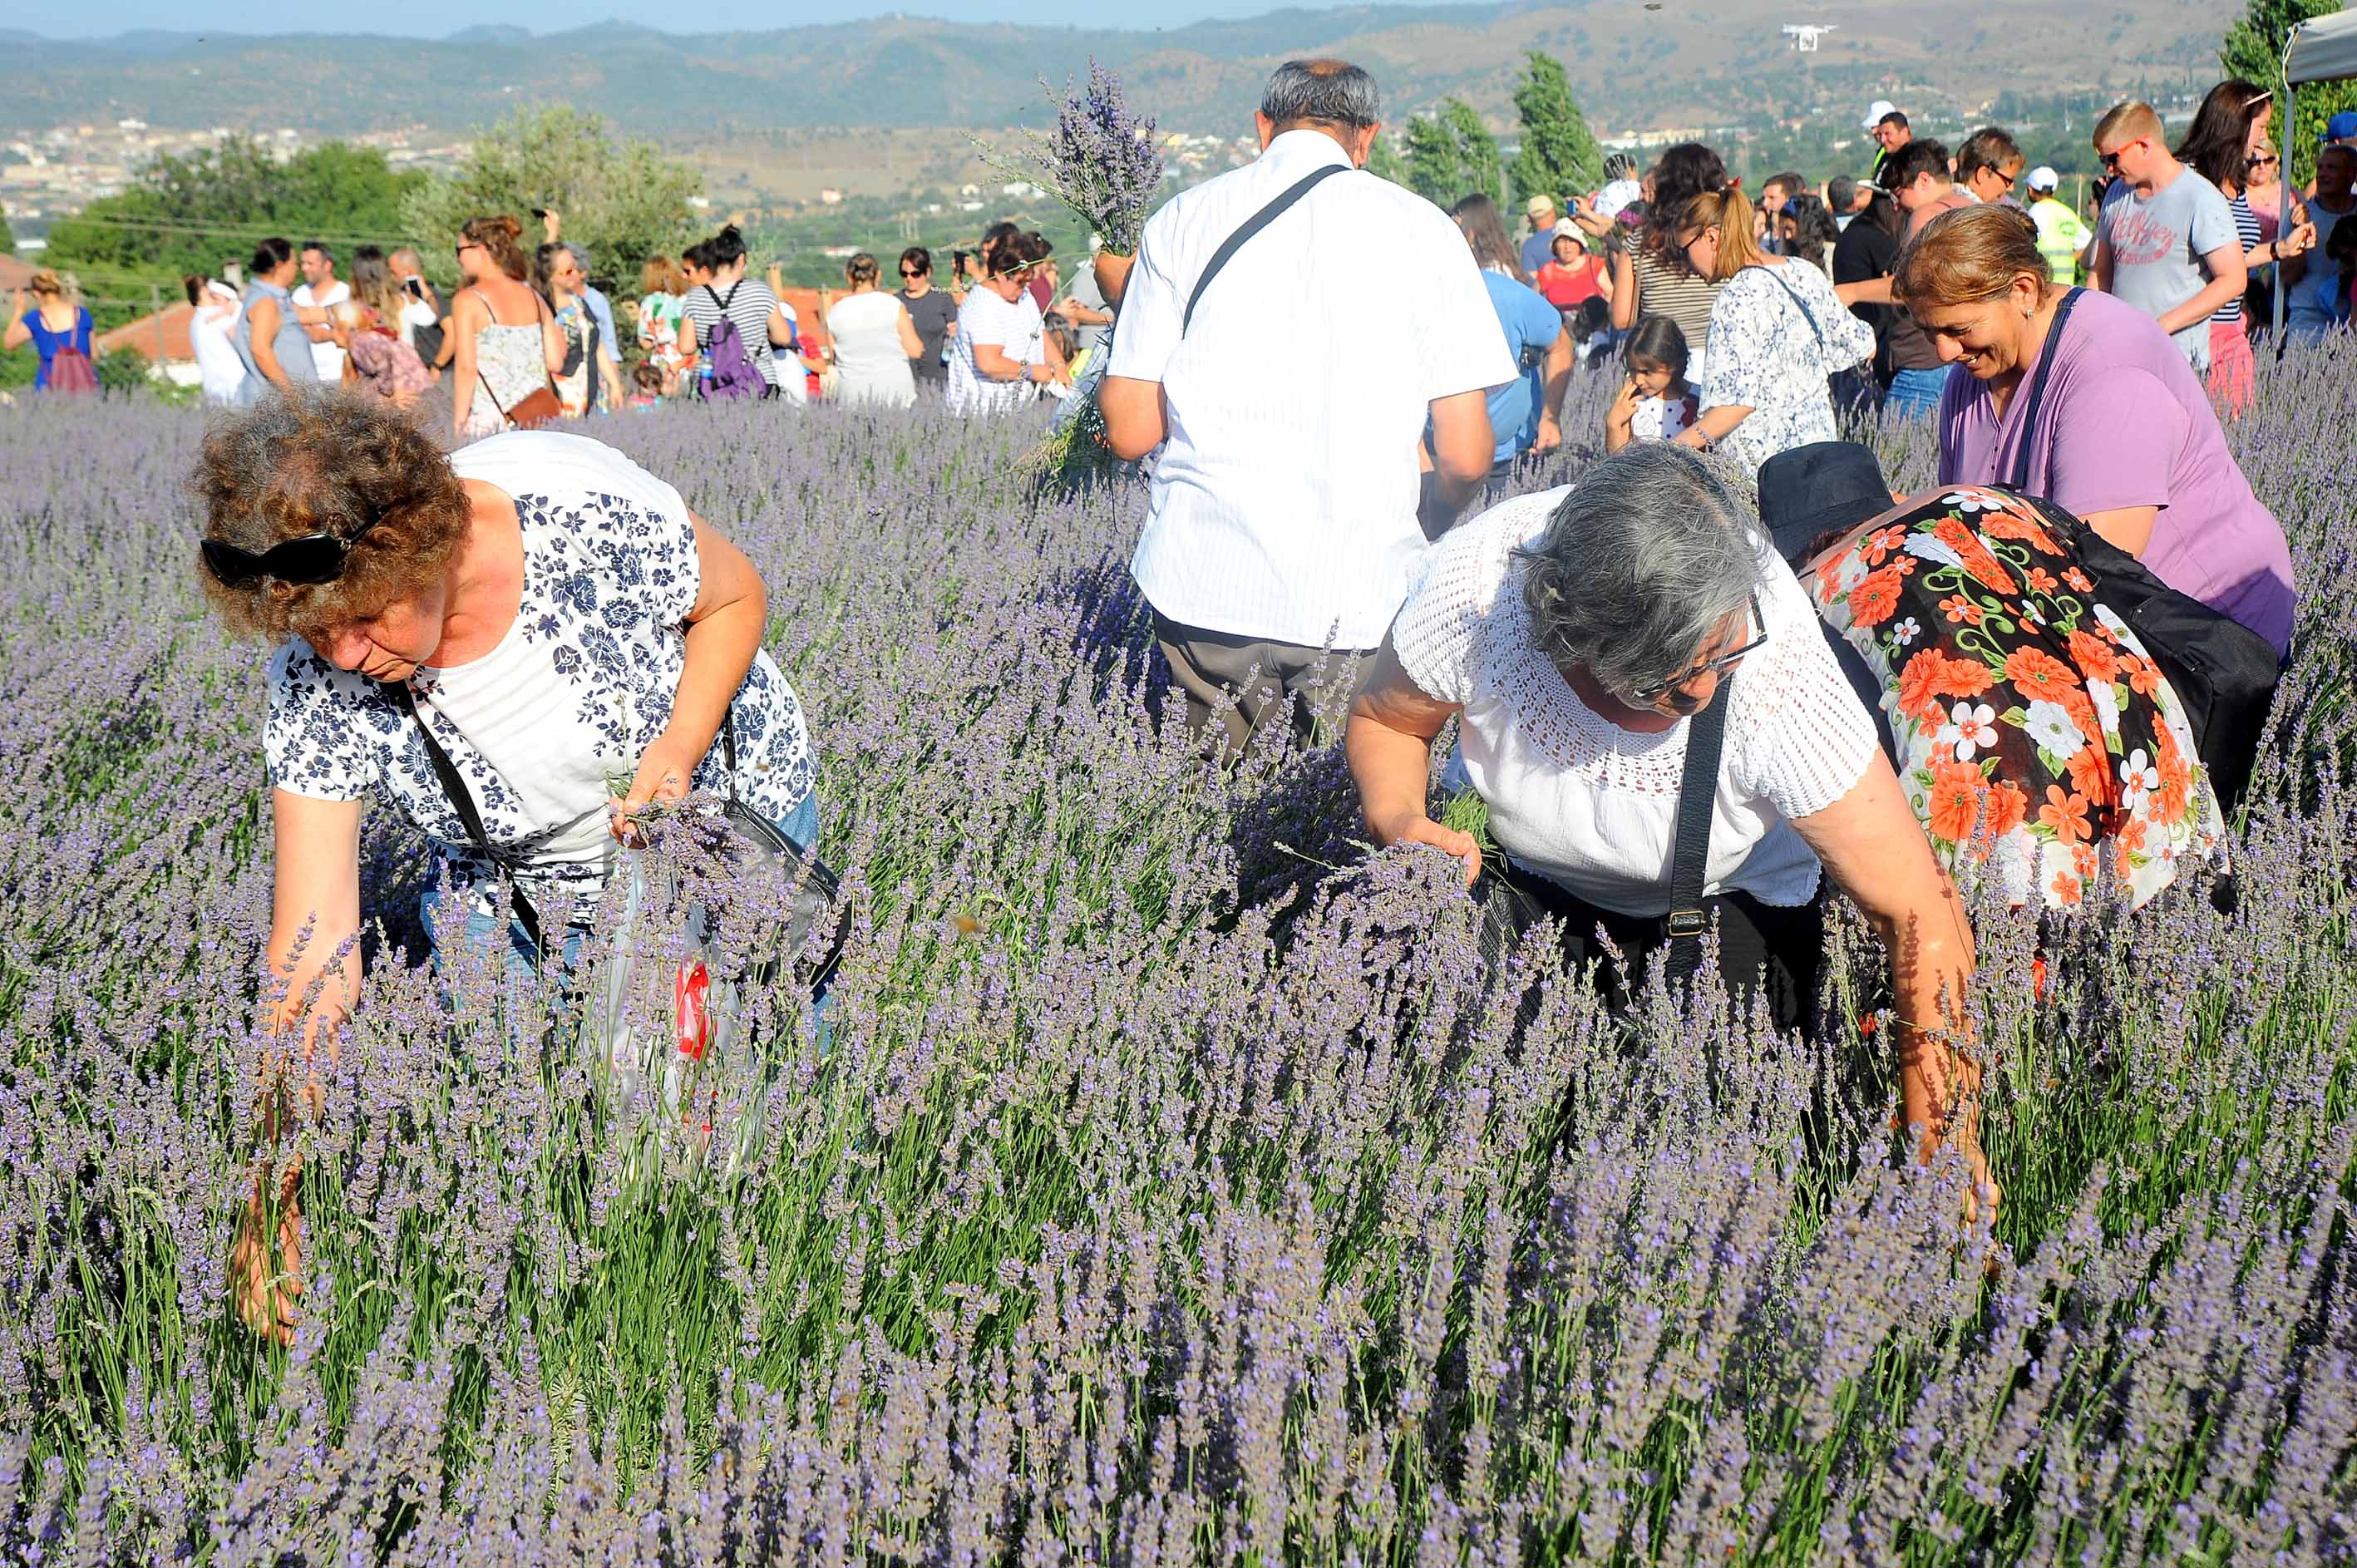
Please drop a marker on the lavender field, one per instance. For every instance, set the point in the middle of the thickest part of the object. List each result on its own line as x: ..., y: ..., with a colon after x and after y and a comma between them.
x: 1176, y: 1187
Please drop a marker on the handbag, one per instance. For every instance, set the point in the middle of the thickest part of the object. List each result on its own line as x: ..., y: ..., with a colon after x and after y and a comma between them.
x: 2224, y: 673
x: 756, y: 846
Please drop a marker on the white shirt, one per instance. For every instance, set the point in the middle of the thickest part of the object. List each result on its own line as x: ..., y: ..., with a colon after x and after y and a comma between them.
x: 1020, y: 334
x: 326, y: 358
x: 1616, y: 196
x: 1590, y: 805
x: 1283, y: 502
x: 219, y: 369
x: 866, y: 332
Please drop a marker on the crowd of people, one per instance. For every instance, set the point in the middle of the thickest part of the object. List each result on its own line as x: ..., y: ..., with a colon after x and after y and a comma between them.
x: 1684, y: 710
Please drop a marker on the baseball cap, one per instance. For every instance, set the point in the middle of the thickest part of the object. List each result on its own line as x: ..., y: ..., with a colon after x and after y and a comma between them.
x: 2341, y: 127
x: 1539, y: 204
x: 2043, y: 178
x: 1876, y: 109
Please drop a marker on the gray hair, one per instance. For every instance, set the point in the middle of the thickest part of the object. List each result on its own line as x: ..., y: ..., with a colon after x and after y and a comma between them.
x: 1329, y: 90
x: 580, y: 259
x: 1618, y: 165
x: 1648, y: 555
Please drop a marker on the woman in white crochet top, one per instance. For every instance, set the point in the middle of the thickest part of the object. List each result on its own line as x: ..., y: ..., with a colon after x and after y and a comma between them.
x: 1575, y: 632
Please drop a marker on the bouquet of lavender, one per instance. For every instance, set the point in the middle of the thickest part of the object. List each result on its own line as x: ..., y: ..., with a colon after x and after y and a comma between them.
x: 1106, y: 165
x: 1100, y: 160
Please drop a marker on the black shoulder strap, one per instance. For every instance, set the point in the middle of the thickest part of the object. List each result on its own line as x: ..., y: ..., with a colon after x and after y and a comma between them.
x: 462, y: 800
x: 1690, y: 852
x: 2036, y: 395
x: 1253, y: 225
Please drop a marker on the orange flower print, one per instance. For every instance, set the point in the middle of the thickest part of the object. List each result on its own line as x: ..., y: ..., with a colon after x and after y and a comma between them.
x: 2083, y: 860
x: 2144, y: 675
x: 1953, y: 532
x: 2041, y: 581
x: 1965, y: 677
x: 1955, y: 803
x: 2091, y: 773
x: 2130, y: 836
x: 1960, y: 611
x: 1920, y: 685
x: 2176, y: 792
x: 2039, y: 674
x: 1875, y: 600
x: 2013, y: 522
x: 1877, y: 546
x: 2078, y: 580
x: 2066, y: 814
x: 2067, y: 889
x: 2006, y: 808
x: 2094, y: 656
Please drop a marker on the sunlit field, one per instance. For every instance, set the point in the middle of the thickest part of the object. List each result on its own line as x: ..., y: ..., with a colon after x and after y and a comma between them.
x: 1173, y: 1182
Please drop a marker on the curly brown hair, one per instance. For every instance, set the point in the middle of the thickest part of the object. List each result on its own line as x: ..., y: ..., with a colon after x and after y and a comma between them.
x: 327, y: 461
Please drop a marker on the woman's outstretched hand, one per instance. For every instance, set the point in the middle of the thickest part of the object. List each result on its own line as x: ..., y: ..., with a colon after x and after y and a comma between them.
x: 665, y: 769
x: 1422, y: 829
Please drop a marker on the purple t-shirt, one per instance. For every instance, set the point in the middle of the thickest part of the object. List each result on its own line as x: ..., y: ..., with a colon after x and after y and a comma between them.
x: 2126, y: 423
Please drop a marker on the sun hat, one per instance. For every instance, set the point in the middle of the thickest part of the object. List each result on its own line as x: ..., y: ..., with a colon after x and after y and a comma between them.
x: 1876, y: 109
x: 1539, y: 204
x: 2043, y: 178
x: 1810, y: 491
x: 2341, y: 127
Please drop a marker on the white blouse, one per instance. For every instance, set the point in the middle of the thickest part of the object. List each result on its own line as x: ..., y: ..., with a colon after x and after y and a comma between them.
x: 1592, y: 806
x: 579, y: 686
x: 1771, y: 347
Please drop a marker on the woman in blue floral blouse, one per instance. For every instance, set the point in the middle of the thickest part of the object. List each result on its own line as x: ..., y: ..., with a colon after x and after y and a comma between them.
x: 554, y: 614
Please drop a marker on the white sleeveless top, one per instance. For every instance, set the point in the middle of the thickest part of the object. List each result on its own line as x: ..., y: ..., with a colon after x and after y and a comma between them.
x: 866, y: 332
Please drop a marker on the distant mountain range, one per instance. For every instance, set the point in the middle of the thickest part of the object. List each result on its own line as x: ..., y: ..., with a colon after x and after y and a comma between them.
x: 1635, y: 65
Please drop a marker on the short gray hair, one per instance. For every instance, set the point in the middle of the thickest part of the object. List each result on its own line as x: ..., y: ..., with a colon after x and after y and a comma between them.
x: 580, y: 259
x: 1648, y: 555
x: 1618, y: 165
x: 1329, y: 90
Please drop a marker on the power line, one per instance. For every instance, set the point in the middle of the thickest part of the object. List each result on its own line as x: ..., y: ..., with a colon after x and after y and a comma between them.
x: 248, y: 232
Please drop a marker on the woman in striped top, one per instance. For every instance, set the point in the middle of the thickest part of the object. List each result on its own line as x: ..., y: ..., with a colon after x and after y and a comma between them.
x: 764, y: 325
x: 1650, y: 276
x: 2228, y: 133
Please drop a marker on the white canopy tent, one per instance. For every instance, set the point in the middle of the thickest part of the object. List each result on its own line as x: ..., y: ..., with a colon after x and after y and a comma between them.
x: 2322, y: 48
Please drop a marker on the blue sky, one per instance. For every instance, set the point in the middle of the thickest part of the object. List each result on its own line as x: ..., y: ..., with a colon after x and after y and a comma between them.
x: 435, y: 19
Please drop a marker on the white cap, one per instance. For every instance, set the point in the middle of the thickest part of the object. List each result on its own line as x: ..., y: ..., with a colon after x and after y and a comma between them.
x: 2043, y: 178
x: 1876, y: 109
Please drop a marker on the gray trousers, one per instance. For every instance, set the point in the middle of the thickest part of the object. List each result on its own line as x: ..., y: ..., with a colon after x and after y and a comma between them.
x: 1241, y: 685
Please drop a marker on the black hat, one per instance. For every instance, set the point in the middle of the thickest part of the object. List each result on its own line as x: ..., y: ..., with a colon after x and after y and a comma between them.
x: 1812, y: 491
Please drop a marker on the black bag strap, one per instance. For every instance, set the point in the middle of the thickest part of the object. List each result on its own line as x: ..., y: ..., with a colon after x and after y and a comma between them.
x: 1253, y: 225
x: 1690, y: 851
x: 462, y: 800
x: 2036, y: 395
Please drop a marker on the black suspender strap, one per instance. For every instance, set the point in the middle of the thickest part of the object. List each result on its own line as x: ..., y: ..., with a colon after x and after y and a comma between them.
x: 1253, y: 225
x: 462, y: 800
x: 2036, y: 395
x: 1690, y: 851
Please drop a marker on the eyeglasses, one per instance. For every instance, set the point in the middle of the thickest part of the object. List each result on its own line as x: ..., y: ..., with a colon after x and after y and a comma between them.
x: 464, y: 246
x: 2261, y: 160
x: 910, y: 273
x: 307, y: 560
x: 1648, y: 695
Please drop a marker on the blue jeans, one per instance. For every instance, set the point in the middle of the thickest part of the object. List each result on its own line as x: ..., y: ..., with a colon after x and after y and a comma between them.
x: 1915, y: 394
x: 800, y: 825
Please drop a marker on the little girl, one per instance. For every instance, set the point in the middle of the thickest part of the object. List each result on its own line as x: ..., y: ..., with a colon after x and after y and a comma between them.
x: 647, y: 384
x: 1654, y: 404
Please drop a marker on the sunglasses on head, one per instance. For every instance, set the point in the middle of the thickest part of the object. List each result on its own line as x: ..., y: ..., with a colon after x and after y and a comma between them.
x: 307, y: 560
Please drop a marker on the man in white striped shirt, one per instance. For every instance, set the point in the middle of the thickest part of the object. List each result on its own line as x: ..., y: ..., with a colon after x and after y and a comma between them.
x: 1288, y: 395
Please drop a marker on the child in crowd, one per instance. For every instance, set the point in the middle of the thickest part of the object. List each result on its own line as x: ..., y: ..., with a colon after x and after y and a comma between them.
x: 2339, y: 272
x: 1654, y: 404
x: 646, y: 382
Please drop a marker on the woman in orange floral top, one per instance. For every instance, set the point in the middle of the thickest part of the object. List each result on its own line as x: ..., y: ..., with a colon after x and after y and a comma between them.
x: 2036, y: 737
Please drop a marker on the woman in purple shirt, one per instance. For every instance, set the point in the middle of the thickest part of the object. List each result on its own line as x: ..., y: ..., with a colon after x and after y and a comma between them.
x: 2122, y: 435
